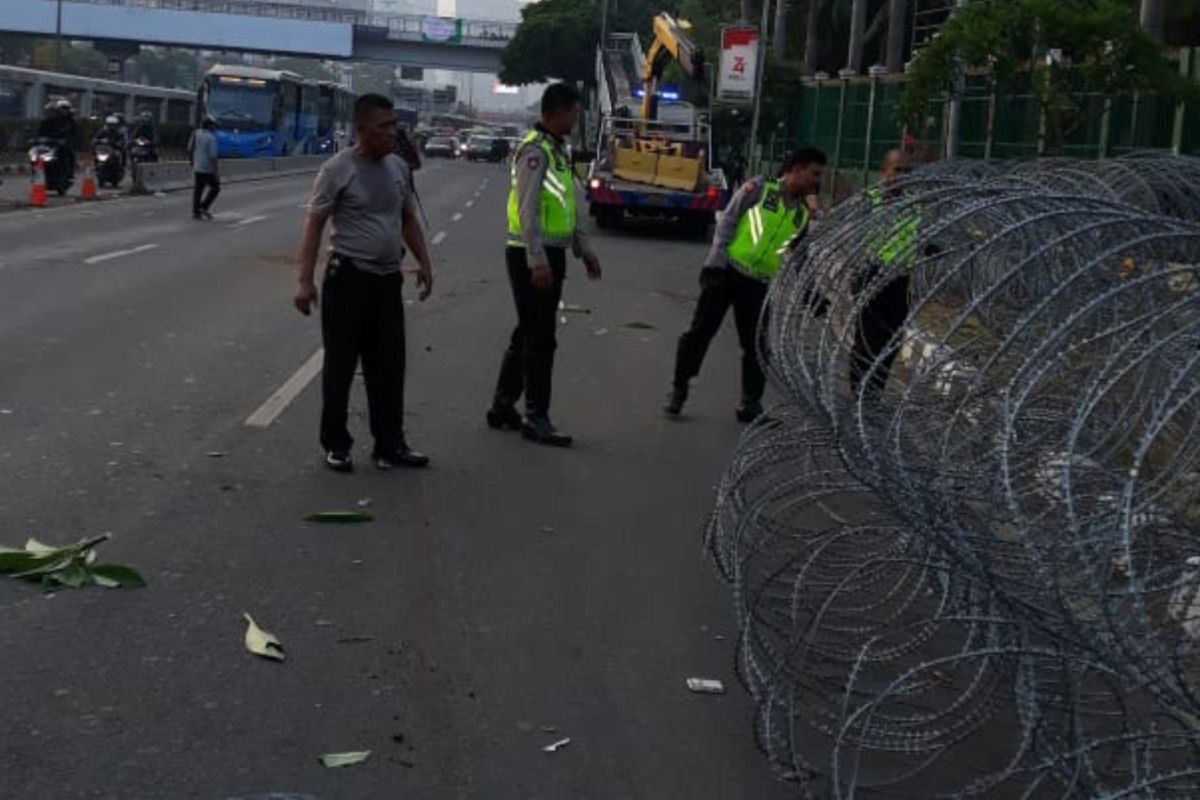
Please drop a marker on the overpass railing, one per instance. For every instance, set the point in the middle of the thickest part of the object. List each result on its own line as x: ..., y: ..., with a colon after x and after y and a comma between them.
x: 397, y: 26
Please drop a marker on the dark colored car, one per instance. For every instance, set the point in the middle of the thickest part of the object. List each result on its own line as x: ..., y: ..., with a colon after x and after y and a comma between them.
x: 481, y: 148
x: 441, y: 147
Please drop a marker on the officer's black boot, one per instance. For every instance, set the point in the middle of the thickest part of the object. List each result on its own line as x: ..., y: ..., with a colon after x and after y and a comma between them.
x: 503, y: 414
x: 750, y: 409
x: 541, y: 430
x: 675, y: 400
x: 538, y: 375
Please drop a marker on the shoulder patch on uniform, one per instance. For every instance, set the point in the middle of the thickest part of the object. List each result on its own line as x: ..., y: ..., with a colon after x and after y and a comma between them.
x: 533, y: 162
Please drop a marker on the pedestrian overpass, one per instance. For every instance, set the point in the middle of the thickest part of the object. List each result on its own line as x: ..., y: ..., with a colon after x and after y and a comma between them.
x: 262, y: 27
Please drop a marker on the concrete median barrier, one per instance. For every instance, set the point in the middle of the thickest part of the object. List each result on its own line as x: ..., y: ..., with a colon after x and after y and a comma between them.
x: 166, y: 176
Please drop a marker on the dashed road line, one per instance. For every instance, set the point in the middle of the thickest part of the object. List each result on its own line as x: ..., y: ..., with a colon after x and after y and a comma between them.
x: 438, y: 238
x: 118, y: 254
x: 457, y: 216
x: 469, y: 203
x: 275, y: 405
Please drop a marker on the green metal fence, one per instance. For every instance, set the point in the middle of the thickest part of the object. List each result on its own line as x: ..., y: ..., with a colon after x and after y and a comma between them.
x: 854, y: 121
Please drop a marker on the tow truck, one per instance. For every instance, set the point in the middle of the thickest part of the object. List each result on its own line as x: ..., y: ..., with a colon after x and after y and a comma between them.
x: 652, y: 159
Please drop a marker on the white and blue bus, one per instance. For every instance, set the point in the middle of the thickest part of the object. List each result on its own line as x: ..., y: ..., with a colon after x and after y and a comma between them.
x: 335, y: 117
x: 261, y: 113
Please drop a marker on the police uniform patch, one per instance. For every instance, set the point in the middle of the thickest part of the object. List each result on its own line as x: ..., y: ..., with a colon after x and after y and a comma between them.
x: 532, y: 162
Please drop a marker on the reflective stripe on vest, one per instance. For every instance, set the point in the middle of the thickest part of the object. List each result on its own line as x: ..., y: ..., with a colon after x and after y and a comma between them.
x: 765, y: 232
x: 899, y: 244
x: 556, y: 215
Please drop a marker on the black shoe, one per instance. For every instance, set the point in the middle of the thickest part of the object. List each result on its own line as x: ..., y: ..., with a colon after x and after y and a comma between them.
x: 749, y: 411
x: 503, y: 418
x: 675, y: 400
x: 402, y: 456
x: 542, y: 431
x: 196, y: 215
x: 339, y: 461
x: 207, y: 216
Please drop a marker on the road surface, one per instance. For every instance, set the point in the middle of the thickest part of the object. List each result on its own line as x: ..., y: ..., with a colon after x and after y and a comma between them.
x: 509, y: 597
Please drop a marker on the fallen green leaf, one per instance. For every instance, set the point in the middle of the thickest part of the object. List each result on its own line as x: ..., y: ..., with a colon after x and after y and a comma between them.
x: 333, y: 760
x: 260, y: 642
x: 115, y: 576
x: 340, y: 517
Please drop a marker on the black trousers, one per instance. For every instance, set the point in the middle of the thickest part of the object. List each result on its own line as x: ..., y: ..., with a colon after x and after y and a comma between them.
x: 722, y: 288
x: 362, y: 317
x: 204, y: 180
x: 880, y: 321
x: 528, y: 364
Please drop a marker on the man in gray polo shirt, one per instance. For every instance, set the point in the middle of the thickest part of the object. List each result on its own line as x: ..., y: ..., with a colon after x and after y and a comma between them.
x: 367, y: 191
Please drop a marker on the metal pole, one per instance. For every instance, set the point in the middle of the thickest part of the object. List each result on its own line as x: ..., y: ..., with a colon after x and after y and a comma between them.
x: 1105, y: 127
x: 837, y: 142
x: 58, y: 39
x: 897, y: 15
x: 603, y: 23
x: 1185, y: 69
x: 954, y: 118
x: 1153, y: 17
x: 866, y: 167
x: 990, y: 142
x: 761, y: 68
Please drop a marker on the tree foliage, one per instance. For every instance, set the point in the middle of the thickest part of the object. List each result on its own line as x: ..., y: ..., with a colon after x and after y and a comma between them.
x: 556, y: 40
x: 1064, y: 49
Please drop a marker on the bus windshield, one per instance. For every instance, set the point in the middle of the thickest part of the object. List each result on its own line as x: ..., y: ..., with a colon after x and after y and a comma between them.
x: 241, y: 105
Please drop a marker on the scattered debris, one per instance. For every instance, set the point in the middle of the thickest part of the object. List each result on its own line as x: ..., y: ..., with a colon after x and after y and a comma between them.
x: 340, y: 517
x: 556, y: 746
x: 548, y: 728
x: 571, y: 308
x: 5, y: 411
x: 71, y: 567
x: 216, y: 454
x: 705, y: 686
x: 260, y: 642
x: 641, y: 326
x: 562, y: 320
x: 943, y: 679
x: 398, y: 738
x: 364, y: 503
x: 600, y: 332
x: 547, y: 529
x: 323, y: 623
x: 334, y: 760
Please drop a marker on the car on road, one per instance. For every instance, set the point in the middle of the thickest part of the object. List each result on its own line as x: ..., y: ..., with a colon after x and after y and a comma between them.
x: 441, y: 147
x: 484, y: 148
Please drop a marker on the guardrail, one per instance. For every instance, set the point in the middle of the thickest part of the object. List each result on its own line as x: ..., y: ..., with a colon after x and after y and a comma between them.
x: 165, y: 176
x: 397, y: 25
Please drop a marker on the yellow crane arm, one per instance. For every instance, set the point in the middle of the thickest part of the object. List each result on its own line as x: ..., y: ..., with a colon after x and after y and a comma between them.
x: 671, y: 42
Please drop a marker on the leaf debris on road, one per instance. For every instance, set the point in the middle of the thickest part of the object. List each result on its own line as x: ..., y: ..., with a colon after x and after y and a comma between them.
x: 556, y: 746
x: 71, y: 567
x: 335, y: 760
x: 705, y: 686
x: 260, y: 642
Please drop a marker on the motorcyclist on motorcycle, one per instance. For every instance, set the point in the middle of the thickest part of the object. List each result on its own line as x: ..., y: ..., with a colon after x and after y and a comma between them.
x: 143, y: 129
x: 111, y: 134
x: 58, y: 126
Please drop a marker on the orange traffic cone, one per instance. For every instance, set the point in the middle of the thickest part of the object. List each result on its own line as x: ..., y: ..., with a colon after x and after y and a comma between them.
x: 37, y: 189
x: 88, y: 188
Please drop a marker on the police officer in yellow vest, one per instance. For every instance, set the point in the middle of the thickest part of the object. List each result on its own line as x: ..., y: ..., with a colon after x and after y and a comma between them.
x: 893, y: 248
x: 762, y: 221
x: 542, y: 224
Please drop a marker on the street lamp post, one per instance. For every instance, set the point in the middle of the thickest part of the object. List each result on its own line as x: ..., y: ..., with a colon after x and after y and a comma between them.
x: 761, y: 68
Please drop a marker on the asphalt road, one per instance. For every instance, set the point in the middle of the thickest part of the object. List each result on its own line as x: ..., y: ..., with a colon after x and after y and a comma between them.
x: 508, y: 597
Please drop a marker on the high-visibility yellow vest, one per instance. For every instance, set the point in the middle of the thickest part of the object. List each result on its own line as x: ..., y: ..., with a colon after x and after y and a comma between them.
x: 765, y: 232
x: 899, y: 244
x: 557, y: 205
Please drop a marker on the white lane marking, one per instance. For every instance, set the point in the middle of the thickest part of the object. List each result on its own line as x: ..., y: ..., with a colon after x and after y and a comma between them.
x: 118, y: 254
x: 269, y: 411
x: 469, y: 203
x: 250, y: 220
x: 457, y: 216
x: 438, y: 238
